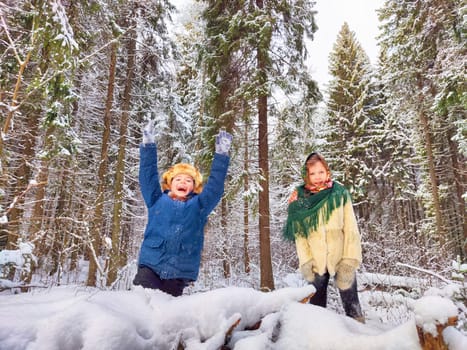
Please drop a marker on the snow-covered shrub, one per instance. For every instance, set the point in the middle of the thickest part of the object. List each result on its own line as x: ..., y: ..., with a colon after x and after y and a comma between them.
x: 21, y: 259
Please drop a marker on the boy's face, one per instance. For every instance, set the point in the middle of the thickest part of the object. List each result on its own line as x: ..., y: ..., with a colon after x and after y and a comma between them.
x: 182, y: 185
x: 317, y: 174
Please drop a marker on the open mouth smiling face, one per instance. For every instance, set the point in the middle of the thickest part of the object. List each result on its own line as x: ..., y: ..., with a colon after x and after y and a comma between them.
x: 182, y: 185
x: 181, y: 190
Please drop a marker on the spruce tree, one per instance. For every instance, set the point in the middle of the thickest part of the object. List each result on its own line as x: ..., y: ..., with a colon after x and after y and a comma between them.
x: 349, y: 108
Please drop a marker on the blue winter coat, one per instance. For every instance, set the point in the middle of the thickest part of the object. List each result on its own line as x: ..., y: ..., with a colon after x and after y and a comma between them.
x: 174, y: 235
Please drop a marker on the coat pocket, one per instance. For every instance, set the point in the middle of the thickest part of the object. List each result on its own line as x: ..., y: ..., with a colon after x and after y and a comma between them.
x: 155, y: 242
x: 152, y: 251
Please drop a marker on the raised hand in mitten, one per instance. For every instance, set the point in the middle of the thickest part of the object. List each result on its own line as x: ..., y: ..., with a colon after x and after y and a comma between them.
x: 149, y: 133
x: 223, y: 142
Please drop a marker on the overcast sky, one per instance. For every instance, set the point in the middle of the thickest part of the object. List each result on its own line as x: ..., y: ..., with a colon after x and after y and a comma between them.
x: 362, y: 19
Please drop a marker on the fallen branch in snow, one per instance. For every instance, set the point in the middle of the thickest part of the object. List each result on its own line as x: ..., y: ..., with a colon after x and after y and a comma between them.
x: 306, y: 300
x: 256, y: 325
x: 5, y: 287
x: 228, y: 334
x: 384, y: 282
x: 425, y: 271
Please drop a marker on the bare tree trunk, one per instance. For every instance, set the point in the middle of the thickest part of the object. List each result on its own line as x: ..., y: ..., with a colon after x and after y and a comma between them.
x: 225, y: 250
x: 76, y: 231
x: 97, y: 222
x: 8, y: 232
x: 15, y: 211
x: 13, y: 107
x: 116, y: 260
x: 433, y: 180
x: 267, y: 279
x: 37, y: 216
x: 62, y: 243
x: 428, y: 139
x: 459, y: 171
x: 246, y: 209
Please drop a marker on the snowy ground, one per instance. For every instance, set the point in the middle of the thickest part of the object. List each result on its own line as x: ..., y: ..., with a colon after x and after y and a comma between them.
x: 73, y: 317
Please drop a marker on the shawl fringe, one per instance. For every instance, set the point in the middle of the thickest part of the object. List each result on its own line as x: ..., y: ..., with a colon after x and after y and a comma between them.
x: 308, y: 212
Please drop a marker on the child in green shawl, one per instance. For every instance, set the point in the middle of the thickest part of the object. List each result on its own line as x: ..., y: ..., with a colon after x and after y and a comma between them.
x: 323, y: 225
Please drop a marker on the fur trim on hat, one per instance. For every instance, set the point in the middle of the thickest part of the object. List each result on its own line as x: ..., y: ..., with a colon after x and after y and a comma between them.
x: 182, y: 168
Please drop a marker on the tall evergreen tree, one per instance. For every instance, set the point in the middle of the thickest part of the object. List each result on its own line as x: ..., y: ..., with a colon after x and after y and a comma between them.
x: 349, y: 107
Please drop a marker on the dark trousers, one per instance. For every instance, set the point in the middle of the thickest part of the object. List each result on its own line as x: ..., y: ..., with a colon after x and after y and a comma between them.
x: 147, y: 278
x: 349, y: 297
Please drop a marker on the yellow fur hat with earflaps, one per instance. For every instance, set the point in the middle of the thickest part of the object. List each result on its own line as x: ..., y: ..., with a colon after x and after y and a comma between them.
x: 182, y: 168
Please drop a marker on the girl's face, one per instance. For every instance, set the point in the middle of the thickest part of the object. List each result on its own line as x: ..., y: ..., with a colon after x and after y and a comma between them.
x: 317, y: 174
x: 182, y: 185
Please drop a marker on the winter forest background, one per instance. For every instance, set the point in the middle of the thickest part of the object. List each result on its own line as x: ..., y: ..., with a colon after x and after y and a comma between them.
x: 79, y: 79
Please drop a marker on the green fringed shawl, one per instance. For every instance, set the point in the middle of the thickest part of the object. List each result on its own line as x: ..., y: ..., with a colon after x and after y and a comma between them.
x: 306, y: 213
